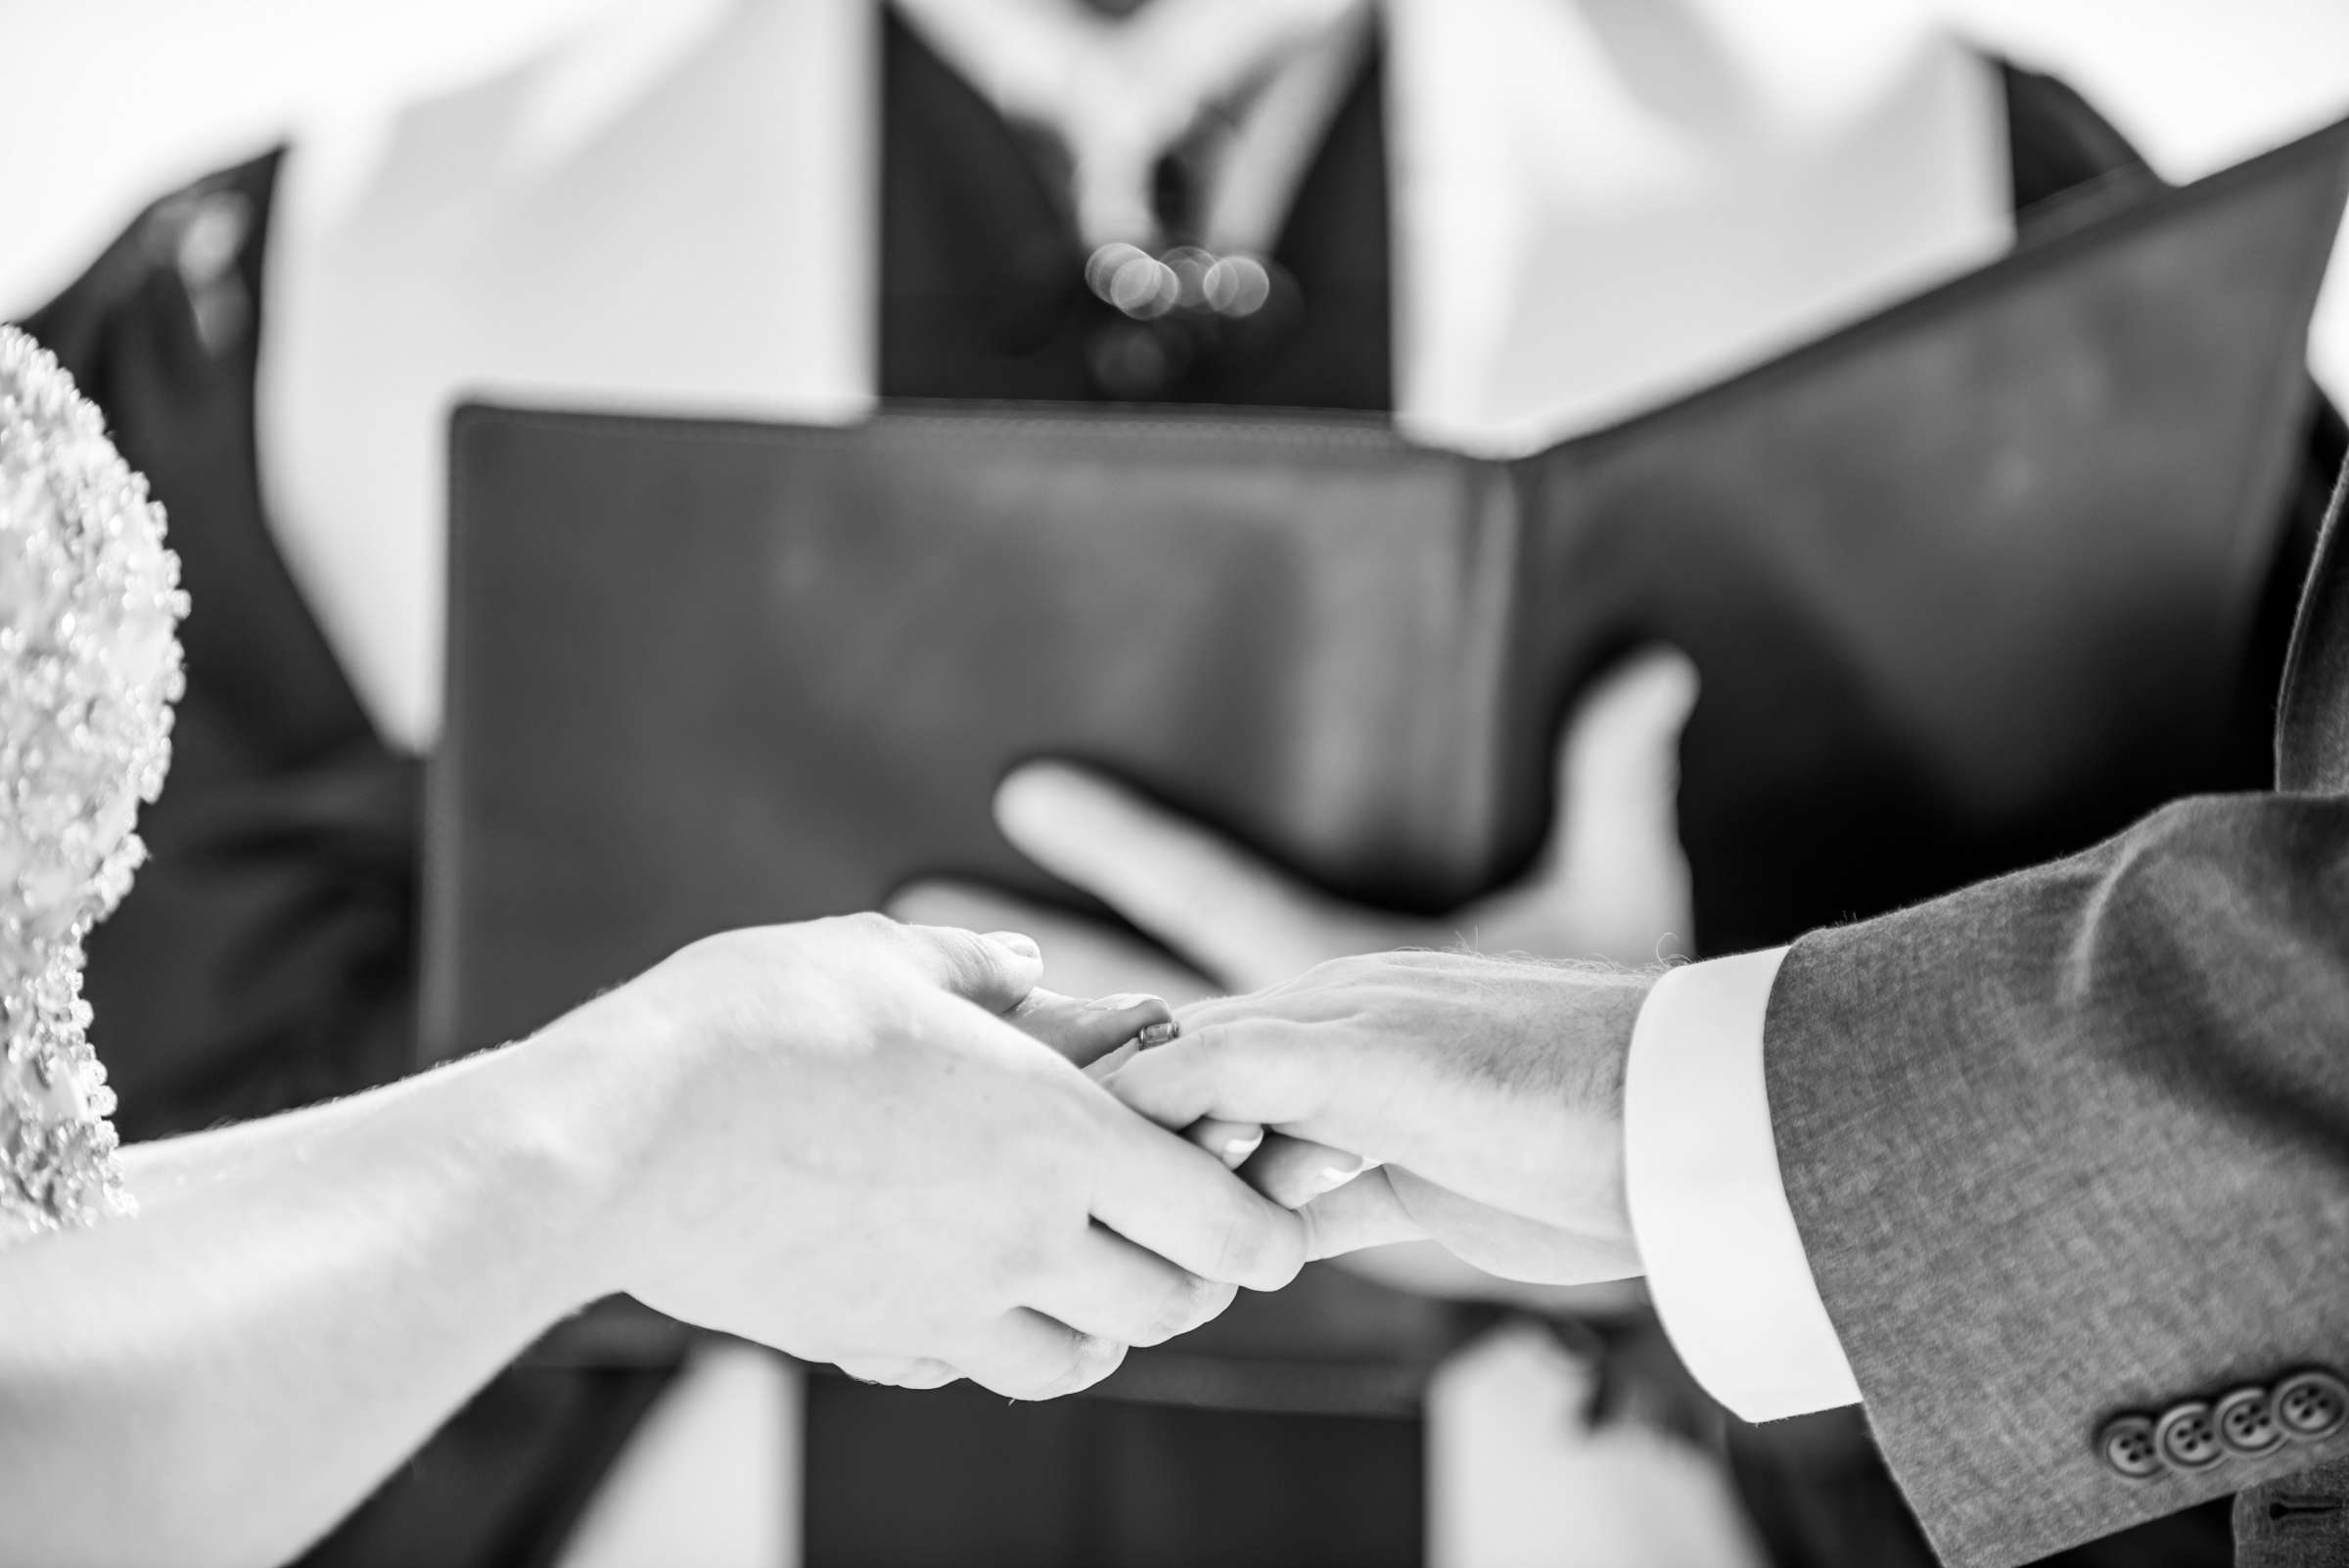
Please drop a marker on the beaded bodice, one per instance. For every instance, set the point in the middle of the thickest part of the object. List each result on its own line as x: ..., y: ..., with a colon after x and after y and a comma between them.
x: 89, y: 668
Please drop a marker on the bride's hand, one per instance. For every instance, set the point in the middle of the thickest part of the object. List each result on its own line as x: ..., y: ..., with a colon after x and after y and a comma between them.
x: 831, y: 1138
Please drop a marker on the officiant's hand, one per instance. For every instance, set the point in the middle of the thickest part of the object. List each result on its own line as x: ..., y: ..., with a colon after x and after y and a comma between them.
x: 832, y: 1138
x: 1611, y: 882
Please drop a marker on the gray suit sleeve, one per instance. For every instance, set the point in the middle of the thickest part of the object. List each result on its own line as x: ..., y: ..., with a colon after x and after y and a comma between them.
x: 2075, y: 1143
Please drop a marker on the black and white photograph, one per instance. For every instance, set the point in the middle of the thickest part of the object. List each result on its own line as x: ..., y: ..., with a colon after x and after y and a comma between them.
x: 1151, y: 783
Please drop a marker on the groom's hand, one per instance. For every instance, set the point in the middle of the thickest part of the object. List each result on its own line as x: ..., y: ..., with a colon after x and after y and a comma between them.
x: 832, y: 1138
x: 1486, y: 1094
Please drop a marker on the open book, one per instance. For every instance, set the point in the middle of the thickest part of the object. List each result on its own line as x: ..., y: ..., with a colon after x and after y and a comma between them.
x: 1962, y: 580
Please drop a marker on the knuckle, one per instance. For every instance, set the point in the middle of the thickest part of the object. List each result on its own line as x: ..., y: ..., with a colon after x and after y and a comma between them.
x: 975, y: 965
x: 1200, y: 1301
x: 883, y: 1371
x: 1236, y: 1249
x: 1073, y: 1361
x: 868, y: 925
x: 1176, y: 1311
x: 857, y: 938
x: 1092, y: 1357
x: 1284, y: 1247
x: 964, y: 955
x: 1210, y: 1044
x: 1315, y: 1244
x: 1256, y: 1247
x: 1028, y: 1388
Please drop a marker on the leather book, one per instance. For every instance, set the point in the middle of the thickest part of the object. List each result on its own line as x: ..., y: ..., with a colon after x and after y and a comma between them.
x: 1964, y: 580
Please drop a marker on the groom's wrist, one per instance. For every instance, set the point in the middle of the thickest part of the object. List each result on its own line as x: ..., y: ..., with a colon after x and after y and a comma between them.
x: 1600, y: 1036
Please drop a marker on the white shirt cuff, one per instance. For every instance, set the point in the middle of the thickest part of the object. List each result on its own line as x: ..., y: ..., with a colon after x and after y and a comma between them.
x: 1725, y: 1262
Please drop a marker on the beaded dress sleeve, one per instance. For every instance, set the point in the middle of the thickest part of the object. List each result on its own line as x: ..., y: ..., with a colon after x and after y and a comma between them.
x: 89, y: 667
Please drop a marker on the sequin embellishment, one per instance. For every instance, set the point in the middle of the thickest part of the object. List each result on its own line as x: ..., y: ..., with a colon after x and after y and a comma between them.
x: 89, y: 667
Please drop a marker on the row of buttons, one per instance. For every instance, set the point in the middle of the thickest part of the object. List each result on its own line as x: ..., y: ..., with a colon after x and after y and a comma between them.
x: 2307, y: 1406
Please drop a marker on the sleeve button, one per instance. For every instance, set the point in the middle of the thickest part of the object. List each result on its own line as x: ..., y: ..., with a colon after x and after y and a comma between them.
x: 2187, y: 1437
x: 2127, y: 1448
x: 2246, y: 1422
x: 2312, y: 1406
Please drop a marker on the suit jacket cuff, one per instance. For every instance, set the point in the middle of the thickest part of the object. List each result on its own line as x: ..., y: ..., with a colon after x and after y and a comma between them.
x: 1725, y: 1262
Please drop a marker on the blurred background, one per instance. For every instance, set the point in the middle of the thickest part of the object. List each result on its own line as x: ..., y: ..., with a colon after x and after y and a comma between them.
x: 191, y: 86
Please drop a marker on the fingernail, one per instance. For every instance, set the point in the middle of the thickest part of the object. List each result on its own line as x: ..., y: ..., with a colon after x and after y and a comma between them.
x: 1241, y: 1145
x: 1025, y: 947
x: 1337, y: 1173
x: 1123, y: 1002
x: 1158, y: 1034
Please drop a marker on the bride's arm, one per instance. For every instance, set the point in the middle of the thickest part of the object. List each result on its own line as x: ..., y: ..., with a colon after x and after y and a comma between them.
x: 217, y: 1378
x: 806, y: 1135
x: 299, y: 1302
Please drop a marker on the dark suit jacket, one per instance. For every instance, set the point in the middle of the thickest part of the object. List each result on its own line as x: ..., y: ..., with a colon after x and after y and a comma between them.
x: 2074, y: 1145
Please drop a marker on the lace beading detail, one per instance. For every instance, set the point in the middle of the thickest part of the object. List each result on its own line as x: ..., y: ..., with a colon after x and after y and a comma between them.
x: 89, y: 668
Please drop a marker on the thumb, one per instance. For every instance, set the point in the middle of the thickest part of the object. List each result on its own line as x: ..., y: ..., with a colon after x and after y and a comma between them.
x: 997, y: 971
x: 1613, y: 879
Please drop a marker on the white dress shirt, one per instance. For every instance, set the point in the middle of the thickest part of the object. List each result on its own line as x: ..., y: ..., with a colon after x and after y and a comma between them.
x: 1725, y: 1265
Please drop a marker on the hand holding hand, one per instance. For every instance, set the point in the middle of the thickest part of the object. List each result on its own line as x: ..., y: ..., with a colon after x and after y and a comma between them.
x: 834, y: 1140
x: 1487, y: 1093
